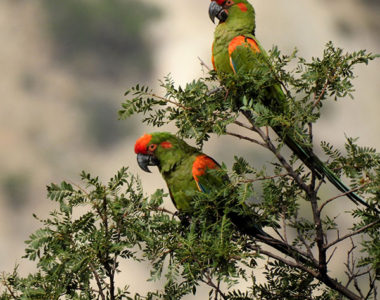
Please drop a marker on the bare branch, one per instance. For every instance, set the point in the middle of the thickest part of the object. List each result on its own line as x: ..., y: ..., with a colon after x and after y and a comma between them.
x: 324, y: 89
x: 372, y: 287
x: 297, y: 253
x: 319, y: 238
x: 247, y: 139
x: 308, y: 249
x: 332, y: 254
x: 162, y: 209
x: 98, y: 280
x: 210, y: 283
x: 352, y: 234
x: 215, y: 90
x: 168, y: 101
x: 5, y: 282
x: 342, y: 195
x: 203, y: 64
x: 282, y: 160
x: 236, y: 122
x: 263, y: 178
x: 284, y: 228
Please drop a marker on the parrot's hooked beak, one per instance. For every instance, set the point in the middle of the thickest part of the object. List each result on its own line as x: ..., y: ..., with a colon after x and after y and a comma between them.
x: 145, y: 160
x: 216, y: 11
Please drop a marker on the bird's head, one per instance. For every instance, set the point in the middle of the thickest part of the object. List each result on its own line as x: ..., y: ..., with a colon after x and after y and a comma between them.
x: 161, y: 149
x: 223, y: 9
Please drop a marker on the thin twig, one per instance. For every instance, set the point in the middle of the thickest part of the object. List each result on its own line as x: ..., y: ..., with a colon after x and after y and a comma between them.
x: 162, y: 209
x: 319, y: 238
x: 372, y: 286
x: 215, y: 90
x: 284, y: 228
x: 319, y: 185
x: 214, y: 286
x: 246, y: 138
x: 332, y: 254
x: 4, y: 281
x: 324, y: 89
x: 307, y: 246
x: 98, y: 281
x: 168, y: 101
x: 282, y: 160
x: 352, y: 234
x: 204, y: 64
x: 241, y: 124
x: 298, y: 254
x: 330, y: 282
x: 263, y: 178
x: 290, y: 263
x: 342, y: 195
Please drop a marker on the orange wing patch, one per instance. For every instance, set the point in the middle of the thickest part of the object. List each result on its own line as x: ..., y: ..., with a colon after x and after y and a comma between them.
x: 241, y: 40
x: 201, y: 164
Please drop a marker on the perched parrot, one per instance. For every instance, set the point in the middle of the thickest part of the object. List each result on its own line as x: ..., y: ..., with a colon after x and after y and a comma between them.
x: 235, y: 50
x: 185, y: 170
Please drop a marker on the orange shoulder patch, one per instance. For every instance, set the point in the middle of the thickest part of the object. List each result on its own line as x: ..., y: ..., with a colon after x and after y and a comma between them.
x: 244, y: 41
x: 201, y: 164
x: 241, y: 40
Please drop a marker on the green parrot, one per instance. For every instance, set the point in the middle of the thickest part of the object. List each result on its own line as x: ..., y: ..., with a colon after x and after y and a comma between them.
x: 186, y: 172
x: 235, y: 50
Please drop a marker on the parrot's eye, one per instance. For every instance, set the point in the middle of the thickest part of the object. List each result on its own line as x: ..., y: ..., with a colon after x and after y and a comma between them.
x: 229, y: 2
x: 152, y: 147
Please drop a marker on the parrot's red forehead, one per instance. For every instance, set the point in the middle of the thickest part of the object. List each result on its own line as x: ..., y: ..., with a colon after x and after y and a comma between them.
x: 220, y: 2
x: 142, y: 143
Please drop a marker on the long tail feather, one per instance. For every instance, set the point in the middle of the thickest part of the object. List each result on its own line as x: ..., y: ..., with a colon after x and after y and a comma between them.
x: 247, y: 226
x: 314, y: 163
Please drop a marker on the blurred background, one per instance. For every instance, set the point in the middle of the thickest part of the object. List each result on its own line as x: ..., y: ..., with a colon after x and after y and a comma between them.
x: 65, y: 66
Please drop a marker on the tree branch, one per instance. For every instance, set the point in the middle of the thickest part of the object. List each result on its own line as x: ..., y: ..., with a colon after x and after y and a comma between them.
x: 214, y: 286
x: 352, y: 234
x: 297, y: 253
x: 332, y: 283
x: 247, y: 139
x: 282, y: 160
x: 342, y: 195
x: 319, y: 235
x: 98, y: 281
x: 4, y: 281
x: 203, y: 64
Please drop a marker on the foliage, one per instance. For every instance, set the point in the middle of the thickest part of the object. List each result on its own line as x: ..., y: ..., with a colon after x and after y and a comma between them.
x: 78, y: 251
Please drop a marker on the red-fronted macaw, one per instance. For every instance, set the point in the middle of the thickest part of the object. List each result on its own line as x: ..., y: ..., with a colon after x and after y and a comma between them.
x: 236, y: 50
x: 185, y: 170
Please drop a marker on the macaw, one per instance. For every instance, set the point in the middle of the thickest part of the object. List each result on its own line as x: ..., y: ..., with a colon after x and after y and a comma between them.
x: 186, y: 172
x: 235, y: 50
